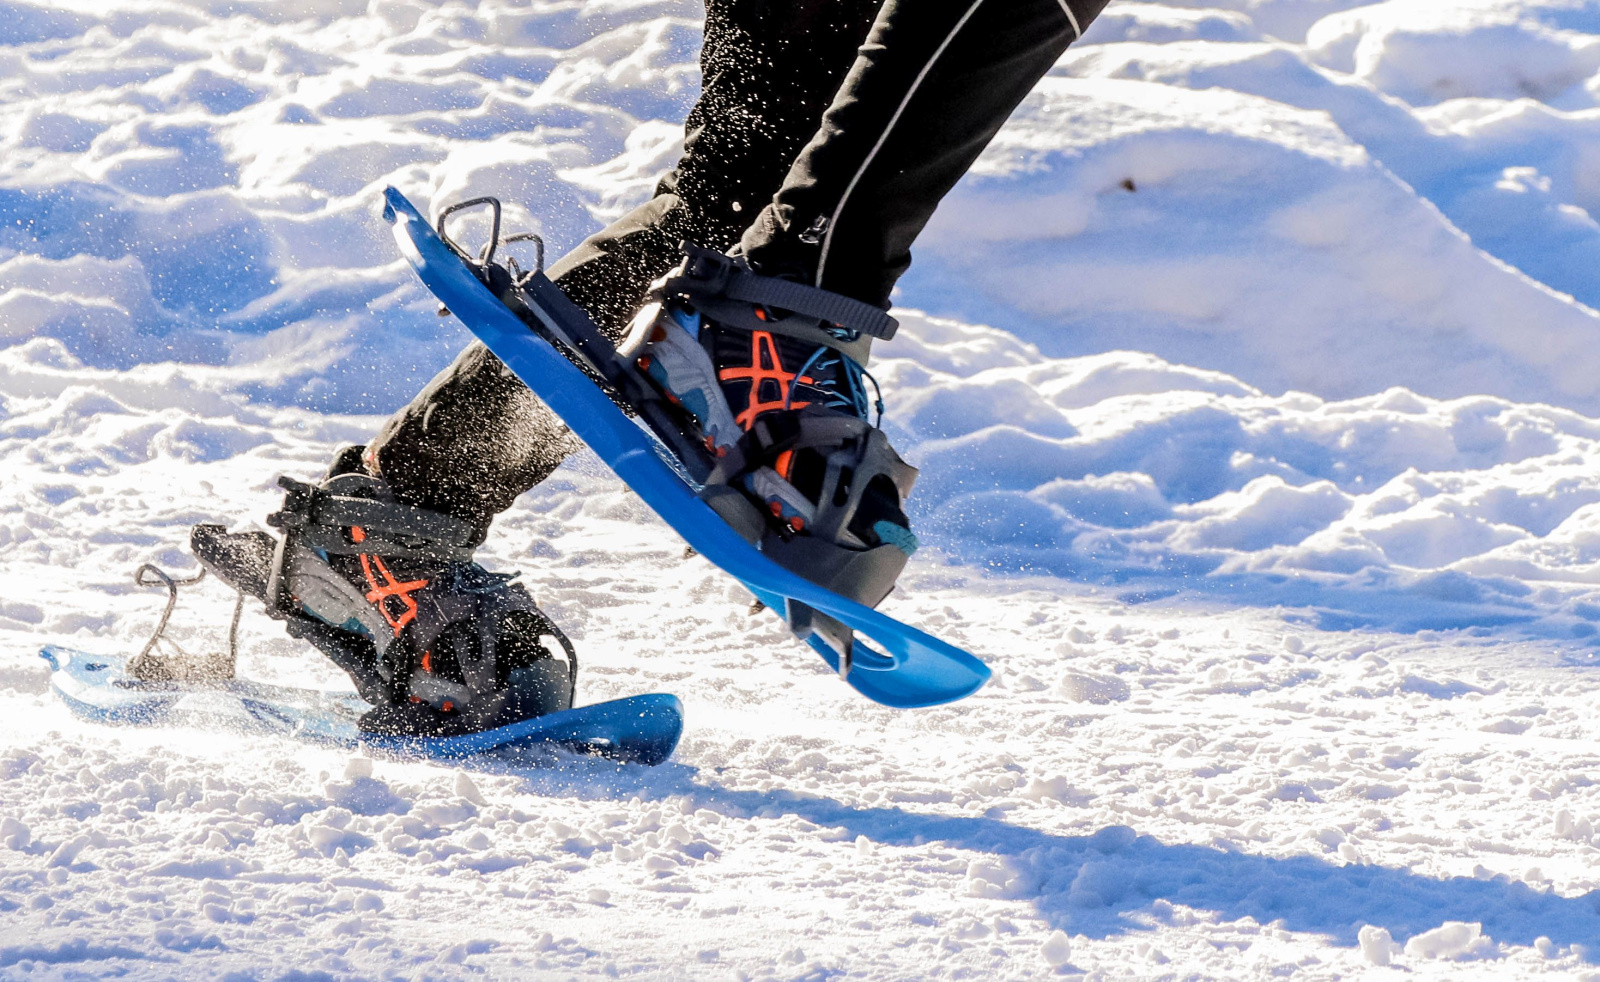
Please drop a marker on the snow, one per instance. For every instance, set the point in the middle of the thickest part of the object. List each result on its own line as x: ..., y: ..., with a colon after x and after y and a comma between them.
x: 1377, y: 945
x: 1254, y: 381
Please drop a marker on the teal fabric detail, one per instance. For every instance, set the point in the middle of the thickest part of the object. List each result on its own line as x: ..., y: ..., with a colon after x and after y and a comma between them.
x: 687, y: 319
x: 902, y: 538
x: 695, y: 401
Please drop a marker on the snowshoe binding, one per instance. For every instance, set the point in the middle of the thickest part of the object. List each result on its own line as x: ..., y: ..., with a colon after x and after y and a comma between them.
x: 390, y: 592
x: 766, y: 375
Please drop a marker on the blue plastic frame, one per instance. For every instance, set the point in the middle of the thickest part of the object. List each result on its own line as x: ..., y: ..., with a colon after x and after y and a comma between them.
x: 642, y: 729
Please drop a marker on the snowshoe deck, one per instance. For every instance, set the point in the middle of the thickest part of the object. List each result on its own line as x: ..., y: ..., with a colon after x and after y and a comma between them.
x: 911, y: 669
x: 638, y: 730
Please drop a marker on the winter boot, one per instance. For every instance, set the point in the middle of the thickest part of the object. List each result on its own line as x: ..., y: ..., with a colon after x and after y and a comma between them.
x: 439, y: 645
x: 767, y: 375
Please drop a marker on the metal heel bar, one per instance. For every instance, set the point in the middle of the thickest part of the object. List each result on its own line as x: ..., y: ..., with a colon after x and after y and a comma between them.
x: 147, y: 665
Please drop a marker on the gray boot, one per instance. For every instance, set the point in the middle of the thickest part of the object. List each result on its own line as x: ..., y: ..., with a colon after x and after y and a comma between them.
x: 390, y: 592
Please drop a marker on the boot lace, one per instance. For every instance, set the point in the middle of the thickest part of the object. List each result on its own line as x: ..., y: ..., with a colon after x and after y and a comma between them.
x: 832, y: 368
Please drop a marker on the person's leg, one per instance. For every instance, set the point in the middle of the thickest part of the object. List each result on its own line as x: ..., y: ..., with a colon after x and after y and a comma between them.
x: 775, y: 369
x: 475, y: 438
x: 769, y: 70
x: 934, y: 82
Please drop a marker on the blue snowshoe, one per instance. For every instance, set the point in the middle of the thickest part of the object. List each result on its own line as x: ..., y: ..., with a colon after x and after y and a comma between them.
x: 771, y: 472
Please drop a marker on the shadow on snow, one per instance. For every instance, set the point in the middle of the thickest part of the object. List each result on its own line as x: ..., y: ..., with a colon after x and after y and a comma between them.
x: 1105, y: 883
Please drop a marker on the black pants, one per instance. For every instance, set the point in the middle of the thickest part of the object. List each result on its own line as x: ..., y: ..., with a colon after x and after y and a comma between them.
x: 826, y: 133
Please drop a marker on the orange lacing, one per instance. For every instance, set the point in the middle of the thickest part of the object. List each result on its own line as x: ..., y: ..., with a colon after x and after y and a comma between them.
x: 765, y: 365
x: 390, y: 588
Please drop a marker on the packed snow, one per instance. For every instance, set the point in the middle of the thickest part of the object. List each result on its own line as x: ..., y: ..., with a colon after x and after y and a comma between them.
x: 1254, y: 375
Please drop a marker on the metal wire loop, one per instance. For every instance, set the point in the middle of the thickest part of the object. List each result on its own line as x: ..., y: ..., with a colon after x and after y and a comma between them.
x: 538, y: 247
x: 149, y: 575
x: 487, y: 252
x: 161, y: 579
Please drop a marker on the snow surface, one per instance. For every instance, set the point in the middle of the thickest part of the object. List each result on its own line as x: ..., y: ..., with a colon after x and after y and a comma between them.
x: 1268, y: 495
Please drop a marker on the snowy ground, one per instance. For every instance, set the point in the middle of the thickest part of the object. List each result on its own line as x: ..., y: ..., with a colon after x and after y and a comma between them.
x: 1269, y: 496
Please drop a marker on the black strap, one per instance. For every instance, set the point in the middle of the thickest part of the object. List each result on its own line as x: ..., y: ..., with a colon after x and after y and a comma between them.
x: 345, y: 525
x: 712, y: 272
x: 775, y: 433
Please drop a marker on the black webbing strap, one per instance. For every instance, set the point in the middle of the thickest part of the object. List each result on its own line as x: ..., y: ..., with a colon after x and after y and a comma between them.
x: 775, y: 433
x: 715, y: 273
x: 329, y: 522
x: 821, y: 304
